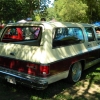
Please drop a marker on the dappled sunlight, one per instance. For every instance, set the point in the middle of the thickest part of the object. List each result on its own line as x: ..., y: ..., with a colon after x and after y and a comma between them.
x: 5, y: 48
x: 58, y: 24
x: 60, y: 52
x: 51, y: 54
x: 35, y: 59
x: 27, y: 53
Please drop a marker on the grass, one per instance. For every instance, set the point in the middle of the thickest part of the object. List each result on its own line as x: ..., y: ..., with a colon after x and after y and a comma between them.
x: 85, y: 89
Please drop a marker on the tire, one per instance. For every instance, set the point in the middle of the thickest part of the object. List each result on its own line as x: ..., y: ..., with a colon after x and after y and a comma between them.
x: 75, y: 72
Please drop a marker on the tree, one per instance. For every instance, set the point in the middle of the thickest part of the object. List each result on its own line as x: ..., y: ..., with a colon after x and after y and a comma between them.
x: 9, y: 9
x: 74, y: 11
x: 93, y: 11
x: 51, y: 13
x: 19, y: 9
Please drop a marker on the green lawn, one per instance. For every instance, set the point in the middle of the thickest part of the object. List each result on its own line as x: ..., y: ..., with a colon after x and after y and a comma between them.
x: 87, y: 89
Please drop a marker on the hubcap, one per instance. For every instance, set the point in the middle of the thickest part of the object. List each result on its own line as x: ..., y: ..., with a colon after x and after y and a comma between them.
x: 76, y: 72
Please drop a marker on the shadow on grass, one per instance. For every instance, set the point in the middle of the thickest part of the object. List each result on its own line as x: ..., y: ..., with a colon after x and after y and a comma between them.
x: 92, y: 76
x: 56, y: 91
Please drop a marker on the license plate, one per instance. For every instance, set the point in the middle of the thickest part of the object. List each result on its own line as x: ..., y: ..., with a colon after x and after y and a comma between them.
x: 11, y: 79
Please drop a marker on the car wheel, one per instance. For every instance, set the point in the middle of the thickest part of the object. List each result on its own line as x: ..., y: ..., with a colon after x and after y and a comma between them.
x: 75, y: 72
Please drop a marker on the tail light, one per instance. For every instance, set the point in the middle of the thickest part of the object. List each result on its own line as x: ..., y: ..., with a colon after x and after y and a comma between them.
x: 32, y: 68
x: 44, y: 70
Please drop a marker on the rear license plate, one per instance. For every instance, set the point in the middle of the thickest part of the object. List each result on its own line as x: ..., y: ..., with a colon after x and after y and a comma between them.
x: 11, y: 79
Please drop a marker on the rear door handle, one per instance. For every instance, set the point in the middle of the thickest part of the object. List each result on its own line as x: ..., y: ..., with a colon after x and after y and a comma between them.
x: 12, y: 54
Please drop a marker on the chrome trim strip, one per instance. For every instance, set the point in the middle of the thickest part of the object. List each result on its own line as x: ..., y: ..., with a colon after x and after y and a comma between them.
x: 24, y: 76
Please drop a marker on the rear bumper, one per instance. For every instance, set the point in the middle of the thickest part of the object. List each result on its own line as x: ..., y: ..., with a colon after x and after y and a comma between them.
x: 22, y: 78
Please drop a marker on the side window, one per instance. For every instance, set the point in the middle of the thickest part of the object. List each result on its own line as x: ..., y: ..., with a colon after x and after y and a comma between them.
x: 67, y: 36
x: 90, y: 34
x: 76, y: 33
x: 97, y: 29
x: 16, y: 34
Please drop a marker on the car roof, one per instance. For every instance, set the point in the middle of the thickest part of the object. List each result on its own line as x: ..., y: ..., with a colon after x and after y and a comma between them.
x: 50, y: 23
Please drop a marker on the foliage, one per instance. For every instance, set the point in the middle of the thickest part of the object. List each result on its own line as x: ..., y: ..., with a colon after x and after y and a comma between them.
x: 66, y: 10
x: 8, y: 9
x: 74, y: 11
x: 37, y: 17
x: 93, y: 11
x: 51, y: 13
x: 21, y: 9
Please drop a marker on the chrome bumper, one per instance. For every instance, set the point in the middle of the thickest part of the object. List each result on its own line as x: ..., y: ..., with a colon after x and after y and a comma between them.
x: 29, y: 80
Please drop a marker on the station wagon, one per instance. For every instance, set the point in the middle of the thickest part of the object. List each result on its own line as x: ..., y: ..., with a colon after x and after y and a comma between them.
x: 40, y: 53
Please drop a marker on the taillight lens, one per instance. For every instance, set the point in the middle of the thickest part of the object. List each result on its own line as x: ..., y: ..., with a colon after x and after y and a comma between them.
x: 32, y: 68
x: 44, y: 70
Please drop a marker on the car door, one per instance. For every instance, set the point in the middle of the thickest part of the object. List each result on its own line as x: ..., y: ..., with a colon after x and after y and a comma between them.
x: 92, y: 46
